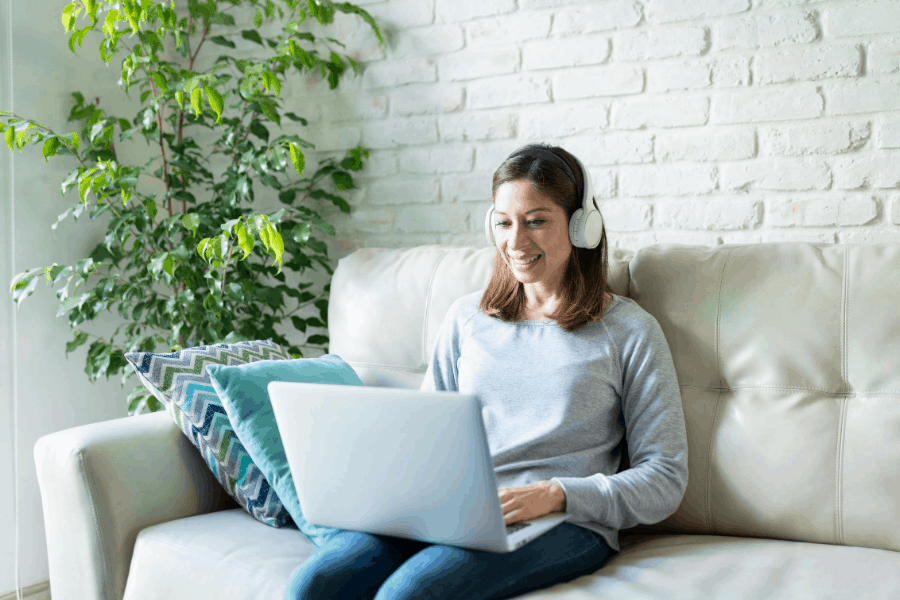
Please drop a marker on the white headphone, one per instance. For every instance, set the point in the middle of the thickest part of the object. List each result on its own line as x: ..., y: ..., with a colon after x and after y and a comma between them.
x: 586, y: 224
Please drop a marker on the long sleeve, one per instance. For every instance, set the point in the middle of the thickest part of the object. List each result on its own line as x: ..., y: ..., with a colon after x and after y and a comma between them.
x: 442, y: 373
x: 654, y: 486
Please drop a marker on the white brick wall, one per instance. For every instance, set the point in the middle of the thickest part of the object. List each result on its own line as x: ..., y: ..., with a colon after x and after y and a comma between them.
x: 702, y: 121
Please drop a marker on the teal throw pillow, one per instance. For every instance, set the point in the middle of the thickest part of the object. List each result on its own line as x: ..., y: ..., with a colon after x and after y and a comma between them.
x: 242, y: 391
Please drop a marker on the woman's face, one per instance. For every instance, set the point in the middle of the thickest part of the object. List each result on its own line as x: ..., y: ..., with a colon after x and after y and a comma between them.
x: 532, y: 234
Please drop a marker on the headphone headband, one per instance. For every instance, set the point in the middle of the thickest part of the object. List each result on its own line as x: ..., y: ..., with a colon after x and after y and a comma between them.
x: 549, y: 156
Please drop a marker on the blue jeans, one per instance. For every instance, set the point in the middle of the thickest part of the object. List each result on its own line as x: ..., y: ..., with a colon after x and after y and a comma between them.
x: 354, y: 565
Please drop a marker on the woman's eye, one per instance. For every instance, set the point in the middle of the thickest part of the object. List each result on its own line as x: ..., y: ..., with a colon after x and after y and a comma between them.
x: 535, y: 222
x: 501, y: 224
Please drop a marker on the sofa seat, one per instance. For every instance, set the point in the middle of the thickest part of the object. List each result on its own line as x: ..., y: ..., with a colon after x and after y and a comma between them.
x: 224, y: 555
x: 228, y: 555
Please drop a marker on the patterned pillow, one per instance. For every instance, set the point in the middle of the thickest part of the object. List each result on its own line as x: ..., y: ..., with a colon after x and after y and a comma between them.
x: 180, y: 381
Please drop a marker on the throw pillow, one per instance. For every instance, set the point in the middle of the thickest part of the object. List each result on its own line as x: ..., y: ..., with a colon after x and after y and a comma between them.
x: 242, y: 391
x: 180, y: 381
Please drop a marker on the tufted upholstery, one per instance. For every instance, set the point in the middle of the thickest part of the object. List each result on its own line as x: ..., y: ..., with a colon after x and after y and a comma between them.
x: 787, y: 356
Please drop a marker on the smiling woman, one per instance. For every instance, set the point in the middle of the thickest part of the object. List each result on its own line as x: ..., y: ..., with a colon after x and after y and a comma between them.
x: 552, y: 259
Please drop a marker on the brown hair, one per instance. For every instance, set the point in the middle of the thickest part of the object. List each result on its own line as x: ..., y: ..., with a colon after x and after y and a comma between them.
x: 584, y: 282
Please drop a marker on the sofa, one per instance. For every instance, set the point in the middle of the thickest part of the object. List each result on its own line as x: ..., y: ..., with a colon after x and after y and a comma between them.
x: 788, y: 361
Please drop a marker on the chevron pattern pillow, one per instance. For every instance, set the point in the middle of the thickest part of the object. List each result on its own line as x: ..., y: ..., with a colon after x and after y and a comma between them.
x: 179, y: 380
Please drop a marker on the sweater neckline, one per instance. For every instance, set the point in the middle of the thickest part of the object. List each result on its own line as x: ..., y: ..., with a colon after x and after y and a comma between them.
x: 615, y: 300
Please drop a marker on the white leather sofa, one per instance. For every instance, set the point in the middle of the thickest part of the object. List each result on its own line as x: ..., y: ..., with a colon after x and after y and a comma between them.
x: 788, y: 358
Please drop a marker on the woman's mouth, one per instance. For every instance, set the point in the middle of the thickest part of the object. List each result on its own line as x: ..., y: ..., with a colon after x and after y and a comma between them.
x: 524, y: 264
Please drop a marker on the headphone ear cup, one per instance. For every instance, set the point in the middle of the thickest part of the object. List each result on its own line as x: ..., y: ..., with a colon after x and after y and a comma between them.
x: 488, y: 228
x: 575, y: 229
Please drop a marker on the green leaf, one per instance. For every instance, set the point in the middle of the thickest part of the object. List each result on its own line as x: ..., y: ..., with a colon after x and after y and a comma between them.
x: 218, y: 39
x: 251, y: 35
x: 158, y: 263
x: 258, y: 18
x: 191, y: 221
x: 245, y: 240
x: 179, y: 97
x: 50, y: 147
x: 222, y: 19
x: 68, y: 20
x: 196, y: 101
x: 294, y: 117
x: 342, y: 180
x: 75, y: 141
x: 79, y: 339
x: 215, y: 101
x: 160, y: 82
x: 10, y: 136
x: 317, y: 340
x: 299, y: 323
x: 83, y: 187
x: 297, y: 158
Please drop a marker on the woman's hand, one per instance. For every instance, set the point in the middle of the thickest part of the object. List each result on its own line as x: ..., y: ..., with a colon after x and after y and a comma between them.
x: 531, y: 501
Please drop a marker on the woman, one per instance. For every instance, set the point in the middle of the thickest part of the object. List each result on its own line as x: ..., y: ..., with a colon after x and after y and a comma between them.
x: 563, y: 368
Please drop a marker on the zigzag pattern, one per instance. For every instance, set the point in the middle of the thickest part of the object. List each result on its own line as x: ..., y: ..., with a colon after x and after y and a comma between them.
x: 180, y: 381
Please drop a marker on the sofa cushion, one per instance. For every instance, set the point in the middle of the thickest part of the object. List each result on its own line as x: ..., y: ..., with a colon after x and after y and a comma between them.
x: 222, y: 555
x: 228, y: 556
x: 180, y: 381
x: 242, y: 391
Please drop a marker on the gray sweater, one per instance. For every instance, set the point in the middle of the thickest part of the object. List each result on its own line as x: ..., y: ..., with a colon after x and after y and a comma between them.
x: 556, y: 404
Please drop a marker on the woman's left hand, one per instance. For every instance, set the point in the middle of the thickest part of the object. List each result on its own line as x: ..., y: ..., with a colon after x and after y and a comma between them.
x: 531, y: 501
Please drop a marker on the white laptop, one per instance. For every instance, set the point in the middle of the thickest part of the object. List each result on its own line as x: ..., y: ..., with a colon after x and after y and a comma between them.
x: 397, y: 462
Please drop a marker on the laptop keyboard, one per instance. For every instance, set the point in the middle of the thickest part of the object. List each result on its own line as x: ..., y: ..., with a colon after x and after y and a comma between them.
x: 515, y: 527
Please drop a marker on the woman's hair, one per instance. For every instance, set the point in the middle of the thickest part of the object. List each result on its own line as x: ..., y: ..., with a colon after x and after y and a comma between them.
x: 585, y: 279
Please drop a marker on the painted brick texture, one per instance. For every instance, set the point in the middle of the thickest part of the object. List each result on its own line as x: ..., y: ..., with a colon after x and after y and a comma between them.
x: 702, y: 121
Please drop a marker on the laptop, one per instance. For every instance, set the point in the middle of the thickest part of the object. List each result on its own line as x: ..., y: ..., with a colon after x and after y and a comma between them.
x: 396, y: 462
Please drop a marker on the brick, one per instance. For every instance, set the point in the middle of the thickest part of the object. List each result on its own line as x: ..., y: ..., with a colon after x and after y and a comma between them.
x: 436, y: 160
x: 667, y: 180
x: 399, y: 132
x: 427, y: 99
x: 563, y: 119
x: 393, y: 73
x: 667, y: 11
x: 422, y: 41
x: 477, y: 126
x: 438, y: 219
x: 354, y: 106
x: 466, y: 187
x: 364, y: 220
x: 612, y: 149
x: 380, y: 163
x: 661, y: 43
x: 794, y: 235
x: 668, y: 76
x: 816, y: 138
x: 750, y: 33
x: 782, y: 104
x: 465, y: 10
x: 472, y: 64
x: 895, y: 210
x: 883, y: 56
x: 887, y: 133
x: 508, y: 29
x: 404, y: 190
x: 488, y: 157
x: 858, y: 172
x: 807, y: 64
x: 784, y: 174
x: 864, y: 96
x: 731, y: 71
x: 533, y: 4
x: 625, y: 215
x: 361, y: 43
x: 402, y: 14
x: 603, y: 181
x: 587, y: 82
x: 821, y: 212
x: 568, y: 52
x: 707, y: 145
x: 660, y: 111
x: 510, y: 90
x: 648, y: 238
x: 869, y: 236
x: 861, y: 19
x: 707, y: 213
x: 332, y: 137
x: 617, y: 14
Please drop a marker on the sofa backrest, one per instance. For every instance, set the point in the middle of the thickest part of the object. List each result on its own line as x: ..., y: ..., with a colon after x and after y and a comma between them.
x: 788, y: 358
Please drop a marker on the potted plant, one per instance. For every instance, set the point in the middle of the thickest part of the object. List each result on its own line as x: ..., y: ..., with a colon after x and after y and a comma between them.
x: 195, y: 263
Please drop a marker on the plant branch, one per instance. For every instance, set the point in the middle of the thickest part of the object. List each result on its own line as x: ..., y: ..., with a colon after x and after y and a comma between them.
x: 225, y: 266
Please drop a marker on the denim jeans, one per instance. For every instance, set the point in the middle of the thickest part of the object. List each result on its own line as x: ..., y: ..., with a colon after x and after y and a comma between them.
x: 354, y: 565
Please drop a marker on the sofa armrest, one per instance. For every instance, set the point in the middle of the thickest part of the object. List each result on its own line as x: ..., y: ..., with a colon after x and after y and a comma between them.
x: 103, y: 483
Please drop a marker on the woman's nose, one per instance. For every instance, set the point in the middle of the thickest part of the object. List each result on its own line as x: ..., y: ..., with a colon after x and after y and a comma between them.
x: 518, y: 236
